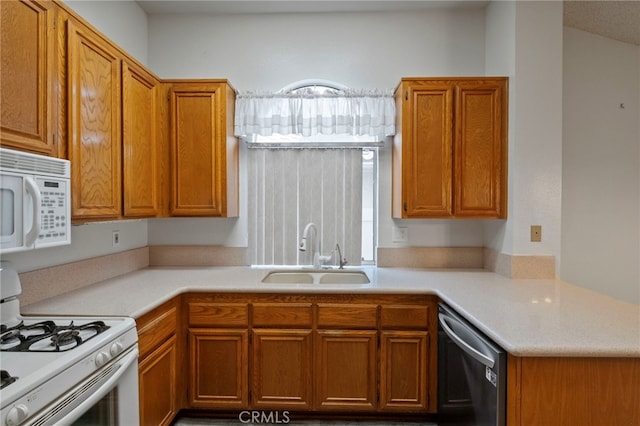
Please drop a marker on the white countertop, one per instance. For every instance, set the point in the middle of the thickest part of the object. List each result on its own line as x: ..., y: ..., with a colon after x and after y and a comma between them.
x: 525, y: 317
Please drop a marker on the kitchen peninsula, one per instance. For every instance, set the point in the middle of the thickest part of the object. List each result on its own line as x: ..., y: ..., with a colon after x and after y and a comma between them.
x: 553, y: 331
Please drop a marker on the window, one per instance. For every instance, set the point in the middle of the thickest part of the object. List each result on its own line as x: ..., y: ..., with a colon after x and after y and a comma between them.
x: 313, y: 173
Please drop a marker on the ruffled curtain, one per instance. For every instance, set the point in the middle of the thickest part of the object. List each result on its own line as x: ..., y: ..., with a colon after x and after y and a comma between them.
x: 347, y: 112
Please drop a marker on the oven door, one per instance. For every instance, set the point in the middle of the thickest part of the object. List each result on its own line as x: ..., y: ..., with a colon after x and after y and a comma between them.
x: 108, y: 397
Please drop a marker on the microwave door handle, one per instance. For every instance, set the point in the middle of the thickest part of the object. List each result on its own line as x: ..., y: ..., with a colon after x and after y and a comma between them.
x: 473, y: 352
x: 32, y: 188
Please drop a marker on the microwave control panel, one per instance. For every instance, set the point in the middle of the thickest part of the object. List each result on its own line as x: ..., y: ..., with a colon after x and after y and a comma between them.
x: 55, y: 224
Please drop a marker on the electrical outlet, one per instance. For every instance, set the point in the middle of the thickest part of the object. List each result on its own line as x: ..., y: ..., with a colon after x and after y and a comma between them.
x: 400, y: 234
x: 536, y: 233
x: 115, y: 240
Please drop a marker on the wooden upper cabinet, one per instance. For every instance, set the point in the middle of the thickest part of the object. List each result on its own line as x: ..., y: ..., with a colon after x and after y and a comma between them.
x: 204, y: 152
x: 139, y: 142
x: 94, y: 124
x: 450, y: 153
x: 480, y: 148
x: 26, y: 76
x: 426, y: 170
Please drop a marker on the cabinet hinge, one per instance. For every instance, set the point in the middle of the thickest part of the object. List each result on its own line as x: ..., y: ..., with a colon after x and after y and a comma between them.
x: 405, y: 206
x: 406, y: 95
x: 55, y: 24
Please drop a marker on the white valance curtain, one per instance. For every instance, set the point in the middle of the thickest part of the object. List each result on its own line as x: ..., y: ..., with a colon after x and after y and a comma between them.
x: 306, y: 113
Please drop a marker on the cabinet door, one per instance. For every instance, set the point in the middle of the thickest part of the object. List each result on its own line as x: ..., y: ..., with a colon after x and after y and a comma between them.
x: 281, y: 369
x: 220, y: 372
x: 158, y: 383
x: 346, y: 365
x: 198, y: 150
x: 139, y: 142
x: 94, y: 124
x: 427, y: 150
x: 26, y: 73
x: 403, y: 370
x: 480, y: 147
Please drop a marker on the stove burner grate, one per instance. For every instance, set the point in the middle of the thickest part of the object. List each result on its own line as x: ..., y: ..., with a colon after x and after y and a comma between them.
x: 47, y: 336
x: 6, y: 379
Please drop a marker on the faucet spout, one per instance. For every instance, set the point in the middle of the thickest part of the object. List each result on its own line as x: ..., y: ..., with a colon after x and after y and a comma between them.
x: 315, y: 252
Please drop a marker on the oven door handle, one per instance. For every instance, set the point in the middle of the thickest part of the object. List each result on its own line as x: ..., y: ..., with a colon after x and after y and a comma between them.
x: 465, y: 346
x: 123, y: 365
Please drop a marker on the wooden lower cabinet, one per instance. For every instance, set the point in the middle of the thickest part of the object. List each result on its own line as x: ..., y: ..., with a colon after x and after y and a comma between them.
x: 281, y: 376
x: 404, y: 370
x: 345, y: 373
x: 158, y: 385
x: 311, y: 353
x: 573, y: 391
x: 219, y: 375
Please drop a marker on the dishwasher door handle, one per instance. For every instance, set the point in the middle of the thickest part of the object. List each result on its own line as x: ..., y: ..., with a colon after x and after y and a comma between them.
x: 465, y: 346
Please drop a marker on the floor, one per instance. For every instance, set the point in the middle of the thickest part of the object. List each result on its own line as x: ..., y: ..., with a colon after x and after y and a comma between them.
x: 186, y: 421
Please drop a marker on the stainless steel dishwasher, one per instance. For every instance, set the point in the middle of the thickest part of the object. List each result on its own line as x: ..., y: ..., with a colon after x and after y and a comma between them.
x: 472, y: 372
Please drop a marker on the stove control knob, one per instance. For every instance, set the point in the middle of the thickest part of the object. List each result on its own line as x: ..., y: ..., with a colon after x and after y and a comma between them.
x: 17, y: 414
x: 116, y: 348
x: 101, y: 359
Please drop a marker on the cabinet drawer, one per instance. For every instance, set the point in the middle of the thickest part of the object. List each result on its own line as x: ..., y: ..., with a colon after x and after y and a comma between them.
x: 282, y: 315
x: 218, y: 314
x: 156, y: 331
x: 404, y: 316
x: 347, y: 315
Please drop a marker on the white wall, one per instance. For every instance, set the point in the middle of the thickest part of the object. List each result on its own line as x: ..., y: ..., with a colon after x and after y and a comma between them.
x: 87, y: 241
x: 535, y: 134
x: 601, y: 165
x: 123, y: 21
x: 365, y: 50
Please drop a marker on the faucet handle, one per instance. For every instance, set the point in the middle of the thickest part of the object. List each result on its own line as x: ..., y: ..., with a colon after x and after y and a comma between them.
x: 341, y: 261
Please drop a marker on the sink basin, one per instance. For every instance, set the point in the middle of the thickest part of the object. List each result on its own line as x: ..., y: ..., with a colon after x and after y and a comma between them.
x: 344, y: 277
x: 316, y: 277
x: 288, y: 277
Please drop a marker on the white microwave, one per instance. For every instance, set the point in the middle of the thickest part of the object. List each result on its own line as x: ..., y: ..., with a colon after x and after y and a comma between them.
x: 35, y: 201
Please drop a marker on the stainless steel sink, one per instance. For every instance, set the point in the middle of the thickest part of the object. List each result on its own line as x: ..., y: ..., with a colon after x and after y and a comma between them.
x: 301, y: 276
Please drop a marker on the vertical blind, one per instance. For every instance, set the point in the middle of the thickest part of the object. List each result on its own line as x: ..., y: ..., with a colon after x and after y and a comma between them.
x: 288, y: 188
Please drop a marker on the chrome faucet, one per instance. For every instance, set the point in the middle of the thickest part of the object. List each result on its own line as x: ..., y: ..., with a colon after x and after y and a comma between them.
x: 316, y: 254
x: 342, y: 261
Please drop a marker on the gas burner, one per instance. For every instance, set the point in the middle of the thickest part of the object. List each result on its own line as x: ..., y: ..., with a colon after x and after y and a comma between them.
x: 66, y: 338
x: 6, y: 379
x: 47, y: 336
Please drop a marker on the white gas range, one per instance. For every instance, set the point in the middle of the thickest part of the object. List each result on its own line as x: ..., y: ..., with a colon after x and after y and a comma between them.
x: 65, y: 370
